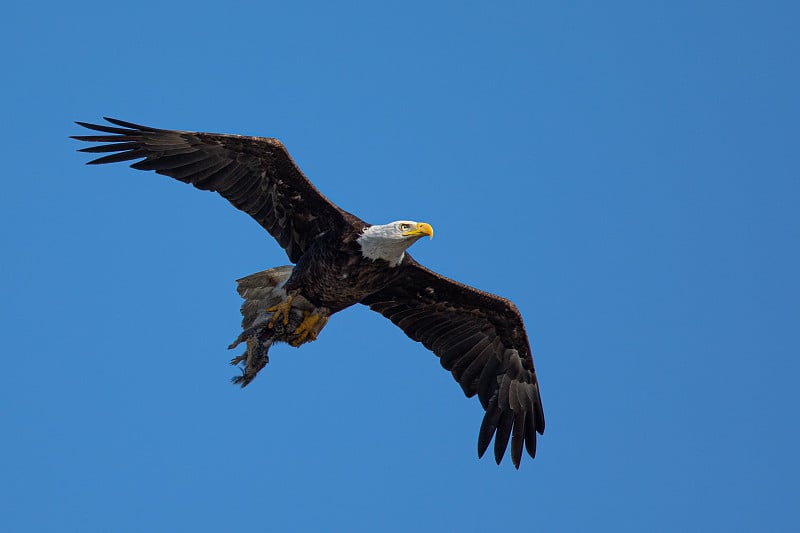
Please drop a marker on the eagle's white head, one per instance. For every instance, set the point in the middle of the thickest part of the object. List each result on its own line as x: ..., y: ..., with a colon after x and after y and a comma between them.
x: 389, y: 241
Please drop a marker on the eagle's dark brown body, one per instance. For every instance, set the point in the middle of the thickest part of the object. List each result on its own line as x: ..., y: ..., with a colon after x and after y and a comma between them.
x: 334, y: 274
x: 479, y: 337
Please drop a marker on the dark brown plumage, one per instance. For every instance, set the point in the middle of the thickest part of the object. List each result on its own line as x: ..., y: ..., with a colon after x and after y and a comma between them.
x: 255, y: 174
x: 479, y: 337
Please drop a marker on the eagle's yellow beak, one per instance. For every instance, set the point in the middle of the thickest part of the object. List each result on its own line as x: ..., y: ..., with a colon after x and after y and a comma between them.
x: 423, y: 228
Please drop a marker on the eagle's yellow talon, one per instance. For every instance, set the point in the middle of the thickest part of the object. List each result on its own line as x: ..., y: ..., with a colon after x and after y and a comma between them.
x: 283, y: 309
x: 309, y: 328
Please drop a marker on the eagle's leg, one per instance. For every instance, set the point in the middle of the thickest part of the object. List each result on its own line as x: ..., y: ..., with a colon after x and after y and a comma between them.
x: 309, y: 328
x: 283, y: 309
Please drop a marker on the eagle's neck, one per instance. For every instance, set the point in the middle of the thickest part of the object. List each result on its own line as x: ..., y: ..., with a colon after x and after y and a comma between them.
x: 382, y: 242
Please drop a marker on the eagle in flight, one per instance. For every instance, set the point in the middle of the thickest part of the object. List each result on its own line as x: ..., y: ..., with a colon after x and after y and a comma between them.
x: 340, y: 260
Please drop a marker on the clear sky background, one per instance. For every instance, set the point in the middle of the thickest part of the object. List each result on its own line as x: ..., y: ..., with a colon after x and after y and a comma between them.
x: 626, y: 172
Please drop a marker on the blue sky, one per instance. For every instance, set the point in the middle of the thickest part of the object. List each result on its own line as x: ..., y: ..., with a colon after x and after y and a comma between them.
x: 626, y: 172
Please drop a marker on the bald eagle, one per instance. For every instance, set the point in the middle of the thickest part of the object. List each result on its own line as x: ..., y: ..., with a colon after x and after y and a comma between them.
x: 340, y: 260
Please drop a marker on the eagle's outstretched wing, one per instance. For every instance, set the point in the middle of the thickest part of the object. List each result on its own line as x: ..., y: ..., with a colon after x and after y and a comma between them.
x: 481, y: 339
x: 255, y: 174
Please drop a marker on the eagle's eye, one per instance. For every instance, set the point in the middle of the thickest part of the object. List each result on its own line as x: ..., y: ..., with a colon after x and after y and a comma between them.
x: 405, y: 227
